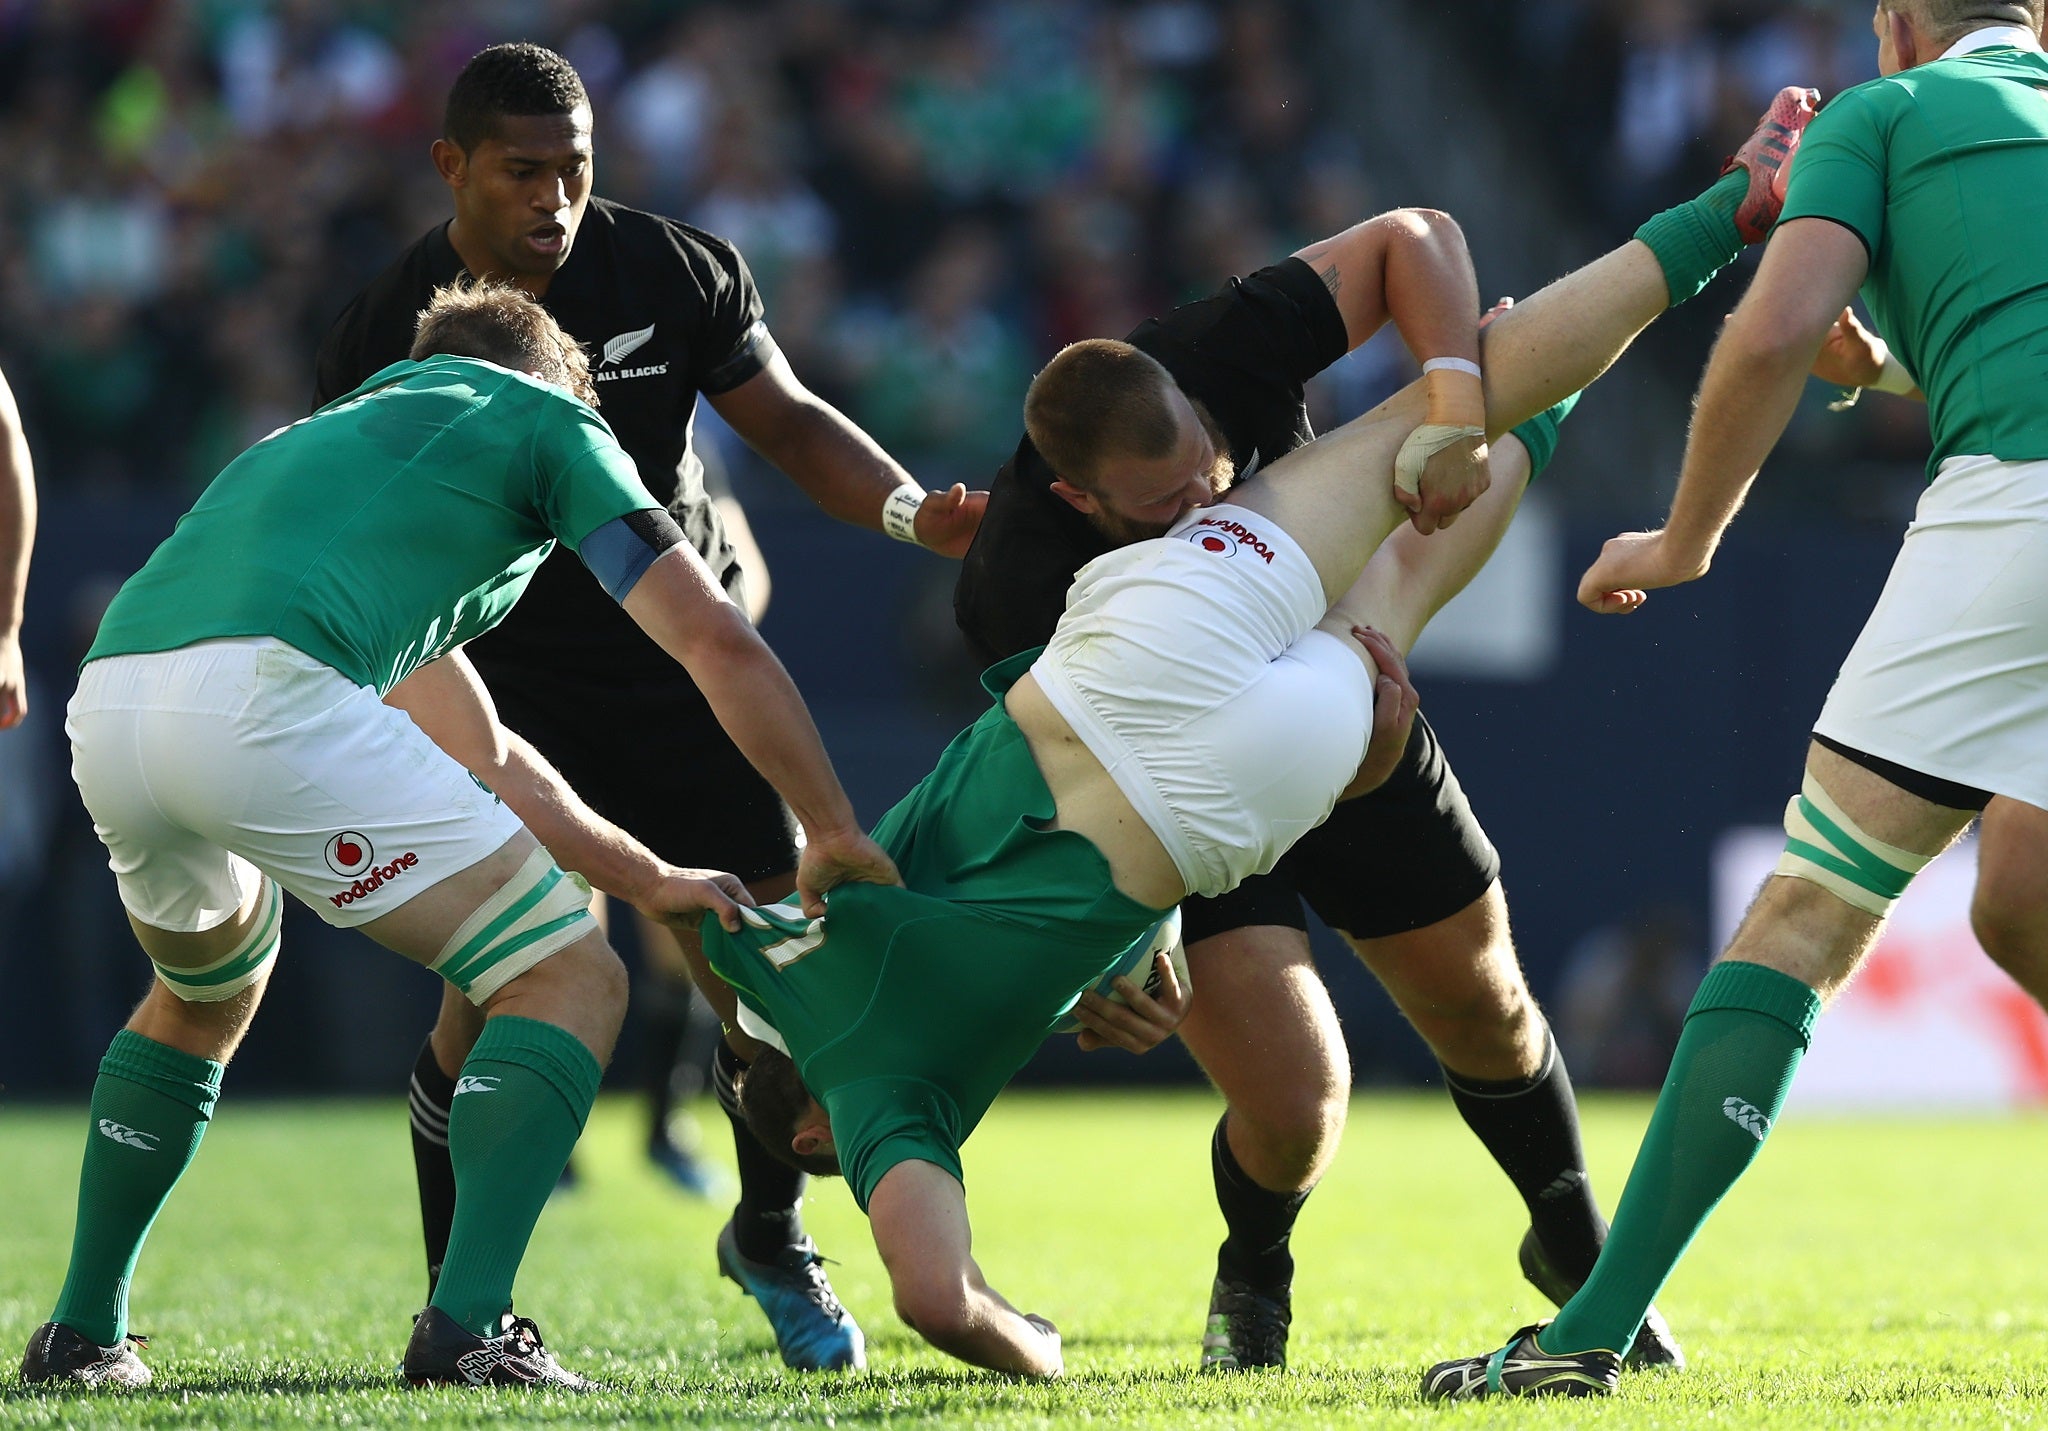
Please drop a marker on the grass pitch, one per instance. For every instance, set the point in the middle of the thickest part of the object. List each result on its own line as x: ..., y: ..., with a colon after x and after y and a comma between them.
x: 1866, y: 1273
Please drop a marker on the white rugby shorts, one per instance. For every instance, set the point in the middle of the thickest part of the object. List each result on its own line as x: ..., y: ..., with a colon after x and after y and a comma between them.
x: 203, y: 765
x: 1190, y: 667
x: 1950, y: 675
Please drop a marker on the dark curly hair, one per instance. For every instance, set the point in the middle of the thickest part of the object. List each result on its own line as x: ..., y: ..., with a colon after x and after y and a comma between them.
x: 772, y: 1100
x: 508, y: 79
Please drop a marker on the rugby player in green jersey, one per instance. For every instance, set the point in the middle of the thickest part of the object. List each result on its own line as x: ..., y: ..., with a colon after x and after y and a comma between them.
x: 278, y: 701
x: 1204, y: 701
x: 1926, y: 188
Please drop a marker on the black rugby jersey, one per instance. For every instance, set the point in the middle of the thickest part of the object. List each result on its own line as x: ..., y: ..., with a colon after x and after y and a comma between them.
x: 1244, y: 353
x: 666, y: 312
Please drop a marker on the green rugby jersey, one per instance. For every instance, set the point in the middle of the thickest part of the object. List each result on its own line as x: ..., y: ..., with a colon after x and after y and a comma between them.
x: 907, y: 1010
x: 389, y: 527
x: 1942, y: 171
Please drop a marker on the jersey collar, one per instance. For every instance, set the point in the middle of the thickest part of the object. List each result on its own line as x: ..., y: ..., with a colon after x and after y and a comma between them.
x: 1991, y: 37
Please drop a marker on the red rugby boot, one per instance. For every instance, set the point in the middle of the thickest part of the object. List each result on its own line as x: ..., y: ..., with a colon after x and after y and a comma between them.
x: 1767, y: 155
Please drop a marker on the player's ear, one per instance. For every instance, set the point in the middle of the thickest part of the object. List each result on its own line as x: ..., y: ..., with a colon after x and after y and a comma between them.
x: 1080, y: 501
x: 450, y: 162
x: 1905, y: 42
x: 812, y: 1141
x: 813, y: 1133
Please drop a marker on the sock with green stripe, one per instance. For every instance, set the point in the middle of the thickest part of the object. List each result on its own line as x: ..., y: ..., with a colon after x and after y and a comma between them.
x: 519, y: 1107
x: 1539, y: 434
x: 150, y: 1108
x: 1696, y: 240
x: 1744, y: 1036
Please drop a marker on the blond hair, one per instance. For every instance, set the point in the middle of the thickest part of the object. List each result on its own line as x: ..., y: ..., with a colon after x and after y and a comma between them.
x: 502, y: 324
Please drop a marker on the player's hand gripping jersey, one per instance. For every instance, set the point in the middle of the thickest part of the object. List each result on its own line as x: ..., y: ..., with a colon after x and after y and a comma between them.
x: 388, y: 528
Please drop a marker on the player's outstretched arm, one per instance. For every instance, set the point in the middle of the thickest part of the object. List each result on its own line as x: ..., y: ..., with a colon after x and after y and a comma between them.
x: 680, y: 605
x: 919, y: 1215
x: 1752, y: 383
x: 840, y: 467
x: 448, y: 701
x: 17, y: 536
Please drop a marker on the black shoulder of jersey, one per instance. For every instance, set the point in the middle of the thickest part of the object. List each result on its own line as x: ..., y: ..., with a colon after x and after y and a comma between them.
x: 645, y: 242
x: 375, y: 330
x: 1013, y: 582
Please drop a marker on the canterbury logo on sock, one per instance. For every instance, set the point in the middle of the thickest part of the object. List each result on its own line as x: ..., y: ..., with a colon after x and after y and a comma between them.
x: 474, y: 1083
x: 132, y: 1137
x: 1747, y: 1116
x: 1563, y: 1185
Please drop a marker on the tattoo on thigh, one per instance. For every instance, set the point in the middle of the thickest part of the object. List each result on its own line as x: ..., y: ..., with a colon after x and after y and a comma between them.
x: 1333, y: 279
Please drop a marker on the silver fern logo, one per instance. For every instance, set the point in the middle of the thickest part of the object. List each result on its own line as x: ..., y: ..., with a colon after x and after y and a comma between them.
x: 625, y: 345
x: 1747, y: 1116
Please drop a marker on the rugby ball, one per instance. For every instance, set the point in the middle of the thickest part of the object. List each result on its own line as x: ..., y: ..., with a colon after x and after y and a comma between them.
x: 1141, y: 968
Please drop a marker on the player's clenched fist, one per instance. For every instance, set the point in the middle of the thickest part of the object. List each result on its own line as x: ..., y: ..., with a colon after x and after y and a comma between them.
x: 836, y: 858
x: 1630, y: 567
x: 684, y: 895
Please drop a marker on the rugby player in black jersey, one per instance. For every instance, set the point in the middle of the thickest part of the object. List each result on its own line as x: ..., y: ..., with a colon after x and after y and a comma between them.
x: 1404, y: 873
x: 666, y: 312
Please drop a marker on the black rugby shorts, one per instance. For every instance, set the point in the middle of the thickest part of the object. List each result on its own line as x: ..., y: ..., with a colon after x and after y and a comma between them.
x: 646, y: 753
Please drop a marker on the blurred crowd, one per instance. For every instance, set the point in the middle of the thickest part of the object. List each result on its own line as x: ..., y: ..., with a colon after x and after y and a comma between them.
x: 933, y: 195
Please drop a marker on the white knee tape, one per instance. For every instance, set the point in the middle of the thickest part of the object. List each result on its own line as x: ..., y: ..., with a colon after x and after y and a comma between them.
x: 1824, y: 845
x: 535, y: 913
x: 228, y: 976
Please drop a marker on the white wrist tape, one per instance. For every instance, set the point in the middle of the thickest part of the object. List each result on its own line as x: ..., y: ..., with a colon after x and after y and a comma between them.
x: 1453, y: 365
x: 899, y: 512
x: 1424, y: 443
x: 1894, y: 378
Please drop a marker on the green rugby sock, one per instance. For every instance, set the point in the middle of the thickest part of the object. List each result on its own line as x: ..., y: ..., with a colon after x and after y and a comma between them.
x: 150, y: 1108
x: 1744, y: 1036
x: 1696, y: 240
x: 519, y: 1107
x: 1539, y: 433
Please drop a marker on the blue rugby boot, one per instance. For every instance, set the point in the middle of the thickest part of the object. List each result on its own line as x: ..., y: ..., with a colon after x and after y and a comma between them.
x: 813, y: 1331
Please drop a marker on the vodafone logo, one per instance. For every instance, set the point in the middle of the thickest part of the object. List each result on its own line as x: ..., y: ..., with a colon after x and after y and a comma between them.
x: 1227, y: 538
x: 376, y: 879
x: 350, y: 853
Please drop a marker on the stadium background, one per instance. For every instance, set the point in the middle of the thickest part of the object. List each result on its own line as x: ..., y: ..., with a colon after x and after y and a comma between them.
x: 934, y: 196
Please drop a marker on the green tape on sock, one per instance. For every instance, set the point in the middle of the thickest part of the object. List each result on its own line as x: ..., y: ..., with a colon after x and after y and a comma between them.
x: 1540, y: 434
x: 1697, y: 239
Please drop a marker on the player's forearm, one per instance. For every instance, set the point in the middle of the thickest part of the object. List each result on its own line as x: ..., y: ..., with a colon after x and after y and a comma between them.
x: 987, y: 1331
x: 581, y: 840
x: 1432, y: 293
x: 835, y: 462
x: 762, y: 711
x: 1751, y: 387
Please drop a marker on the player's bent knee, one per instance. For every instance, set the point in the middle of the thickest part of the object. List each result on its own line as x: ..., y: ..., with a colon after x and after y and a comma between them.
x: 2015, y: 938
x: 539, y: 911
x: 239, y: 969
x: 1824, y: 846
